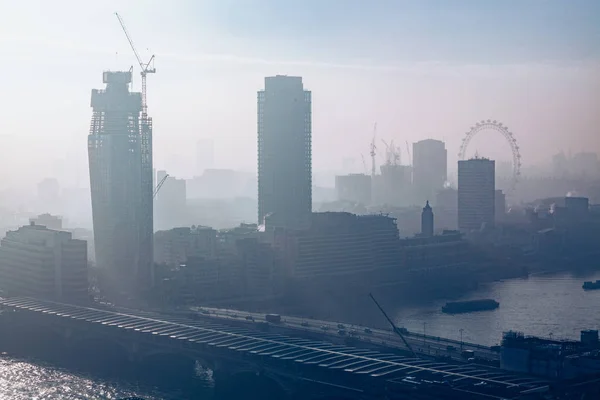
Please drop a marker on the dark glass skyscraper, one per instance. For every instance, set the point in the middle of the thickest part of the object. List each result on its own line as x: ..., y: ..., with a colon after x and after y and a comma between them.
x: 120, y: 161
x: 284, y: 151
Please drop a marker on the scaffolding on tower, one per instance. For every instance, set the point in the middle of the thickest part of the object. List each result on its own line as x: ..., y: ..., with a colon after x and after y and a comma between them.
x: 146, y: 154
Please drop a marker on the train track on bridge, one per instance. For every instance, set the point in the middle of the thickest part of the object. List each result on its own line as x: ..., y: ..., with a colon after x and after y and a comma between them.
x: 391, y: 368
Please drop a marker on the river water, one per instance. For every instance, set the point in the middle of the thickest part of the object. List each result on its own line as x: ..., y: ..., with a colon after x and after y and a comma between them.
x: 30, y: 380
x: 549, y: 305
x: 542, y: 305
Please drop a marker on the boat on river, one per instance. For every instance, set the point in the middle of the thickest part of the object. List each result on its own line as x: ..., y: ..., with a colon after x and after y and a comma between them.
x: 457, y: 307
x: 589, y: 285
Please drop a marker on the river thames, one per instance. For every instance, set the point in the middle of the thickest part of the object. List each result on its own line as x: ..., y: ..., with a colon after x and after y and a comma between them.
x: 549, y: 305
x: 542, y: 305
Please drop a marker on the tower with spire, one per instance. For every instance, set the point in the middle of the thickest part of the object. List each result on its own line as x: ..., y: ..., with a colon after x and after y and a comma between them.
x: 427, y: 221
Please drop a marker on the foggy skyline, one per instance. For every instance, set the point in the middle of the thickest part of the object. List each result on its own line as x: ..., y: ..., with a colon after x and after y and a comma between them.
x: 418, y: 69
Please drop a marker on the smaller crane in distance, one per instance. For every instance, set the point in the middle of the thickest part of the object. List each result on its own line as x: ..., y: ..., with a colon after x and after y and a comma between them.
x: 364, y: 164
x: 162, y: 182
x: 373, y: 151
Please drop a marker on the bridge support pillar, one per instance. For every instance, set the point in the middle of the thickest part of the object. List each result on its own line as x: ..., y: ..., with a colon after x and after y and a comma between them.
x: 251, y: 385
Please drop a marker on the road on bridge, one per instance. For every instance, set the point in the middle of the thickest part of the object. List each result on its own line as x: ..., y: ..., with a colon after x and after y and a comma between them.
x: 427, y: 345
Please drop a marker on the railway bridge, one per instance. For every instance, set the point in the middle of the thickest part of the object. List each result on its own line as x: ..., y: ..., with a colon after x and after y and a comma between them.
x: 267, y: 365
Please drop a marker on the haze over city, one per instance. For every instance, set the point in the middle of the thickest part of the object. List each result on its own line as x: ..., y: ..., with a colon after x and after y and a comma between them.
x: 418, y: 69
x: 300, y: 200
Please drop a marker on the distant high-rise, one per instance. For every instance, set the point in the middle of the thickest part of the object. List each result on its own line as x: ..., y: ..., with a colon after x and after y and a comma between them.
x: 427, y: 221
x: 284, y: 151
x: 500, y: 205
x: 430, y: 168
x: 120, y: 161
x: 205, y: 155
x: 476, y: 193
x: 170, y: 203
x: 355, y: 188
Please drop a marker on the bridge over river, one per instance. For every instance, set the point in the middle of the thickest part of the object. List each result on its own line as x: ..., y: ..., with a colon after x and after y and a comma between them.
x: 241, y: 356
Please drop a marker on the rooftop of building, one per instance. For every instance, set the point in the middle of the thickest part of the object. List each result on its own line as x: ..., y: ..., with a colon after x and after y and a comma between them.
x: 116, y: 77
x: 431, y: 141
x: 242, y: 229
x: 519, y: 339
x: 446, y: 237
x: 33, y: 233
x: 184, y: 231
x: 477, y: 159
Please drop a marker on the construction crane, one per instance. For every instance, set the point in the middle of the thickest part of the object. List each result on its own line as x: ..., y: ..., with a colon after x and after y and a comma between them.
x: 388, y: 154
x: 396, y: 153
x: 147, y: 68
x: 373, y: 151
x: 408, y: 152
x: 162, y: 182
x: 394, y: 327
x: 392, y: 153
x: 364, y: 164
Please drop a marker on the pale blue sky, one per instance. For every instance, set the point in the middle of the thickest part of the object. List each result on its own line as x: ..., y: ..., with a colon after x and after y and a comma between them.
x: 418, y: 68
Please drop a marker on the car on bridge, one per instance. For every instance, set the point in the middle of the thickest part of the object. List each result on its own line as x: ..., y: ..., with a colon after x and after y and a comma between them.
x: 304, y: 323
x: 275, y: 318
x: 368, y: 330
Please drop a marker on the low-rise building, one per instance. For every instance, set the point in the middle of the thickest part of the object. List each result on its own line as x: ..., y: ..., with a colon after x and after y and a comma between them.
x: 48, y: 220
x: 233, y: 264
x: 437, y: 251
x: 338, y: 243
x: 555, y: 359
x: 174, y: 246
x: 40, y: 262
x: 354, y: 188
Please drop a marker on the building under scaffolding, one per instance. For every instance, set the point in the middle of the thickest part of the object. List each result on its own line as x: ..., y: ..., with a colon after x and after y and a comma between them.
x: 120, y: 160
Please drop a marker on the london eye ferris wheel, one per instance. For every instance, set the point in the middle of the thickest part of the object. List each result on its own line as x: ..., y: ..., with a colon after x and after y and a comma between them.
x: 493, y: 125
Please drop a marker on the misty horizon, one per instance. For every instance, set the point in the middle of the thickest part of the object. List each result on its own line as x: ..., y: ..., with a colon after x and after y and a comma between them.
x: 431, y: 85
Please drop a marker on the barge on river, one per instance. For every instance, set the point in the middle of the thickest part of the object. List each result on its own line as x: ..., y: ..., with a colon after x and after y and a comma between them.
x: 456, y: 307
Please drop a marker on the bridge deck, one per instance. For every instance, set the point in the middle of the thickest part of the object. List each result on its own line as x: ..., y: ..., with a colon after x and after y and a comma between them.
x: 360, y: 362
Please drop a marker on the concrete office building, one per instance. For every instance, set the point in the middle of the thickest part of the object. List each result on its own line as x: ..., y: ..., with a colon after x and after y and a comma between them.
x: 500, y: 205
x: 355, y: 188
x: 170, y: 203
x: 48, y: 220
x: 175, y: 246
x: 284, y: 151
x: 340, y: 243
x: 205, y: 155
x: 476, y: 194
x: 121, y: 181
x: 40, y: 262
x: 430, y: 169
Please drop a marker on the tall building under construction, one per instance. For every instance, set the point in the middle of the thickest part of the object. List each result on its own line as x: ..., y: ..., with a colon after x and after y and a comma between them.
x: 284, y: 151
x: 120, y: 160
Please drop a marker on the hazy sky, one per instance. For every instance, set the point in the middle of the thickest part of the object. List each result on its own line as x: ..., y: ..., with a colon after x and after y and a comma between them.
x: 418, y: 68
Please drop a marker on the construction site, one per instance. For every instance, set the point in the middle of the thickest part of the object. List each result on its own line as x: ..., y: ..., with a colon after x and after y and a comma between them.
x: 121, y: 178
x: 390, y: 184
